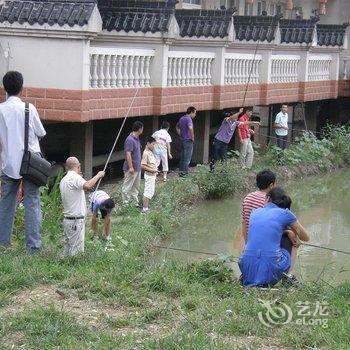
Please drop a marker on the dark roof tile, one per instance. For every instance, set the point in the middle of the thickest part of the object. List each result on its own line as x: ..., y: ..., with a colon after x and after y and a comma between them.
x: 255, y: 28
x: 331, y: 35
x: 50, y: 12
x: 145, y: 21
x: 207, y: 23
x: 297, y: 31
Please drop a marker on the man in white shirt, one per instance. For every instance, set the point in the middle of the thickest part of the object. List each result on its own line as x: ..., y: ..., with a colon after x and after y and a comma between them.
x: 12, y: 117
x: 72, y: 188
x: 281, y: 127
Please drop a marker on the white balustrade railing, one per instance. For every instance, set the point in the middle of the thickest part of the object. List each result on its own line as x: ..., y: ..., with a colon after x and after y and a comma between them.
x: 189, y: 68
x: 284, y: 68
x: 242, y: 68
x: 319, y: 68
x: 119, y: 68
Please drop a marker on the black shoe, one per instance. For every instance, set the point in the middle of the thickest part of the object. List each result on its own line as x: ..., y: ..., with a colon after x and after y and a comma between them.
x: 290, y: 280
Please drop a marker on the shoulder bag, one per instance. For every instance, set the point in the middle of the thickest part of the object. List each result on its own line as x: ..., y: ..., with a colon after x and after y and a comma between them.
x: 35, y: 168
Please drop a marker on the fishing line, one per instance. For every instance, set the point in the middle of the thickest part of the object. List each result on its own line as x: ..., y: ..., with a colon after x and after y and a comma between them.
x: 190, y: 251
x: 326, y: 248
x: 235, y: 257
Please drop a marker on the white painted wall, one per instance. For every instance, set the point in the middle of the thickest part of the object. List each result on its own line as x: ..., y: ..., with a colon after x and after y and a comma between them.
x: 47, y: 62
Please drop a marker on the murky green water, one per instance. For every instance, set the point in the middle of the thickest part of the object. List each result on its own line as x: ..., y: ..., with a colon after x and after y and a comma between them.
x: 322, y: 205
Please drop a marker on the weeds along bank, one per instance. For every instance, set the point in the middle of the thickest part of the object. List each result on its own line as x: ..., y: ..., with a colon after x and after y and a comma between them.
x: 170, y: 305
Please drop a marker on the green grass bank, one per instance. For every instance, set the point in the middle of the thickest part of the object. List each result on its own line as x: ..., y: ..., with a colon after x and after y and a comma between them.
x: 122, y: 299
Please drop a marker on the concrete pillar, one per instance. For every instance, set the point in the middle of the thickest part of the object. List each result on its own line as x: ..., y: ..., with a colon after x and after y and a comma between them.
x: 201, y: 137
x: 219, y: 66
x: 155, y: 123
x: 81, y: 146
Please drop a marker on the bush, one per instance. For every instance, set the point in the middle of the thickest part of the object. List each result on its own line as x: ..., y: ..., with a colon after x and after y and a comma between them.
x: 225, y: 179
x: 305, y: 150
x: 339, y: 136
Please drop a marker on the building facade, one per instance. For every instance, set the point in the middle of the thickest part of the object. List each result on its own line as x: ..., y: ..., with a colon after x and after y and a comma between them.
x: 87, y: 64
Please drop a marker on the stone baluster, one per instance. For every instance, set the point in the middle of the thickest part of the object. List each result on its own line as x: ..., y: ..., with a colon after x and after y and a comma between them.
x: 94, y: 74
x: 256, y: 71
x: 238, y: 64
x: 113, y: 71
x: 196, y: 71
x: 101, y: 77
x: 107, y: 71
x: 169, y: 78
x: 236, y: 70
x: 273, y: 70
x: 147, y: 75
x: 174, y: 71
x: 206, y: 73
x: 125, y: 70
x: 192, y: 71
x: 209, y: 65
x: 137, y: 71
x: 240, y: 71
x: 201, y: 66
x: 182, y: 71
x: 119, y: 71
x: 178, y: 70
x: 227, y: 75
x: 188, y: 72
x: 230, y: 71
x: 131, y: 82
x: 142, y: 71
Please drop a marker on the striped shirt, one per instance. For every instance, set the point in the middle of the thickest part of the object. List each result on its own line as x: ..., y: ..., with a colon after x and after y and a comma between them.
x: 252, y: 201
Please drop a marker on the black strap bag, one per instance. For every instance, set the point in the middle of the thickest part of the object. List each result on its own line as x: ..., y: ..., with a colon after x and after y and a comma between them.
x: 34, y: 167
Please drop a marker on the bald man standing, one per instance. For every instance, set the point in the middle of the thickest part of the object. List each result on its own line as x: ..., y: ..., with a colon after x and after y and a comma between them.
x: 72, y: 189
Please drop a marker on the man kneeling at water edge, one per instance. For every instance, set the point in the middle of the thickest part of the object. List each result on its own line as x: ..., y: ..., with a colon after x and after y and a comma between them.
x: 267, y: 256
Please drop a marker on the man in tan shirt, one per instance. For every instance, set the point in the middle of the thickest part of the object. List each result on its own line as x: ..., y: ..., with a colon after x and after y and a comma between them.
x: 148, y: 164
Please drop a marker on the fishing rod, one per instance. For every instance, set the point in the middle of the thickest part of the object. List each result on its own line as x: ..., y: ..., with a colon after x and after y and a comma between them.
x: 115, y: 142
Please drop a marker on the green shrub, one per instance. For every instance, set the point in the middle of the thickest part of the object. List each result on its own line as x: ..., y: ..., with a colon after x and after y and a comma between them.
x: 225, y: 179
x: 305, y: 150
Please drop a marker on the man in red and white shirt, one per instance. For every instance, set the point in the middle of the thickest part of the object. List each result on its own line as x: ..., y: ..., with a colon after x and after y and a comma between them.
x: 244, y: 133
x: 265, y: 180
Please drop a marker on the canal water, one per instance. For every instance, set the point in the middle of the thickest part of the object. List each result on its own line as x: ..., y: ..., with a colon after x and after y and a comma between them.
x: 322, y: 204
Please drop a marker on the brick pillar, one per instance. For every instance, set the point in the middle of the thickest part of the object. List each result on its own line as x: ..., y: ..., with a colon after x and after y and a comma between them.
x: 81, y: 146
x: 201, y: 137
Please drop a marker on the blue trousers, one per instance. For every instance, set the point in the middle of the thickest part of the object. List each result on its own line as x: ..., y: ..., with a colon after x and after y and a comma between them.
x: 186, y: 156
x: 8, y: 204
x: 282, y: 141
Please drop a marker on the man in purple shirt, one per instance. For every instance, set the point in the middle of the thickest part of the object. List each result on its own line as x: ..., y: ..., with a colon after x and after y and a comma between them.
x: 225, y: 133
x: 184, y: 129
x: 132, y: 165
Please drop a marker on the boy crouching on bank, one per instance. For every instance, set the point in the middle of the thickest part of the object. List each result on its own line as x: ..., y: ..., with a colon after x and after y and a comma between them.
x: 148, y: 164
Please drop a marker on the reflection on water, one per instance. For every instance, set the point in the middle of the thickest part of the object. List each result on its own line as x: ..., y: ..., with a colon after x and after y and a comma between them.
x: 322, y: 206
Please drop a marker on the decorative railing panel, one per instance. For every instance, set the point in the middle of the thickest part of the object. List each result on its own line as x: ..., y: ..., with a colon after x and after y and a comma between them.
x: 189, y: 68
x: 242, y: 68
x: 119, y: 68
x: 284, y: 68
x: 319, y: 68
